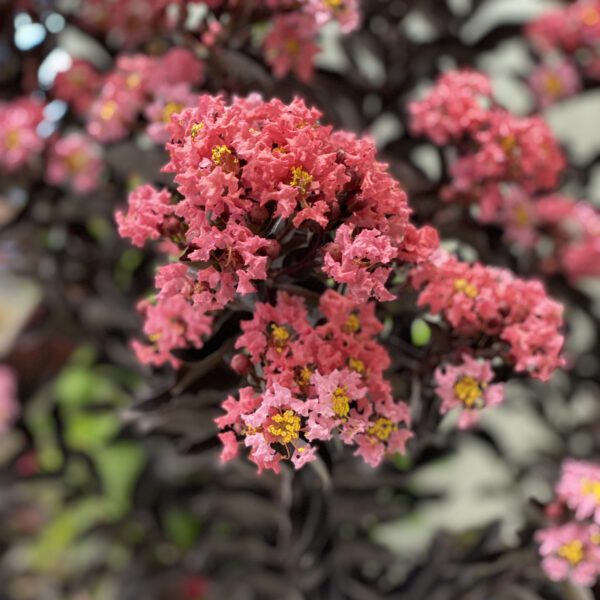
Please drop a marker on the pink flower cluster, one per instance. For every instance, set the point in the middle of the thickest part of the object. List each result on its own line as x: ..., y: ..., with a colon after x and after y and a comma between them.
x: 553, y: 82
x: 258, y: 180
x: 466, y: 386
x: 570, y: 34
x: 127, y: 23
x: 571, y: 548
x: 78, y: 85
x: 74, y: 161
x: 9, y: 406
x: 574, y: 229
x: 160, y: 85
x: 478, y: 300
x: 19, y: 137
x: 494, y: 147
x: 292, y: 26
x: 568, y: 228
x: 290, y: 44
x: 312, y: 377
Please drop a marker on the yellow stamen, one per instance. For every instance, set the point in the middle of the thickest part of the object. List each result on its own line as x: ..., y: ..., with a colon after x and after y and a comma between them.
x: 76, y: 162
x: 521, y: 216
x: 170, y: 109
x: 12, y: 139
x: 154, y: 337
x: 590, y: 16
x: 196, y: 129
x: 133, y: 80
x: 591, y: 488
x: 108, y: 110
x: 301, y: 179
x: 509, y: 143
x: 352, y: 324
x: 468, y: 390
x: 357, y: 365
x: 468, y: 289
x: 553, y: 85
x: 303, y: 376
x: 285, y: 426
x: 341, y: 402
x: 334, y: 3
x: 572, y: 552
x: 219, y: 153
x: 382, y: 429
x: 293, y: 47
x: 280, y: 336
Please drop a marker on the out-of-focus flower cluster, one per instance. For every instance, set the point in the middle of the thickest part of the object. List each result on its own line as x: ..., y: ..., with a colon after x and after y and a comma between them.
x: 567, y: 40
x: 503, y: 166
x: 73, y: 161
x: 287, y: 29
x: 20, y: 141
x: 312, y: 377
x: 257, y: 181
x: 570, y: 547
x: 156, y: 87
x: 493, y: 310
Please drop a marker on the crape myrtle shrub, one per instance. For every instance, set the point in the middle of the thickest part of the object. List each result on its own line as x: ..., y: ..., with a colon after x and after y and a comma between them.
x: 296, y: 305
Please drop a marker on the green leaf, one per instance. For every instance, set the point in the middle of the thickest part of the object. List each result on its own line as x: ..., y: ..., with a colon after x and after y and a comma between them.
x: 182, y: 528
x: 119, y: 467
x: 90, y: 431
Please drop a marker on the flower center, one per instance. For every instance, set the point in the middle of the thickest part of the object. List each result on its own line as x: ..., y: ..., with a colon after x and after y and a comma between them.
x: 572, y: 552
x: 382, y: 428
x: 468, y: 289
x: 285, y: 426
x: 170, y: 109
x: 301, y: 179
x: 508, y: 143
x: 521, y: 216
x: 357, y: 365
x: 280, y: 336
x: 12, y: 139
x: 195, y: 129
x: 108, y: 110
x: 341, y: 402
x: 303, y: 376
x: 467, y: 390
x: 591, y: 488
x: 590, y: 16
x: 133, y: 80
x: 553, y: 85
x: 352, y: 324
x: 76, y: 162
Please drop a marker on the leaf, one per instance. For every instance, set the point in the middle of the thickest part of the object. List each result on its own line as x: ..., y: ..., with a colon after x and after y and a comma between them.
x: 119, y: 467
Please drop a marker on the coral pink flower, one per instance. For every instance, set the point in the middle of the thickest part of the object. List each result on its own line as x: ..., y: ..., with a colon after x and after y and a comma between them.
x: 75, y: 160
x: 320, y: 381
x: 478, y: 299
x: 571, y: 551
x: 168, y: 102
x: 361, y: 261
x: 289, y: 47
x: 457, y: 105
x: 555, y: 82
x: 467, y: 386
x: 148, y: 209
x: 574, y: 228
x: 78, y: 85
x: 9, y: 406
x: 345, y: 12
x: 19, y: 139
x: 170, y: 325
x: 579, y: 488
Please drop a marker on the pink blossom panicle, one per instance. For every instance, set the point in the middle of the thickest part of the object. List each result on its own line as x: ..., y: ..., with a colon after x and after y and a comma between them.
x: 313, y: 379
